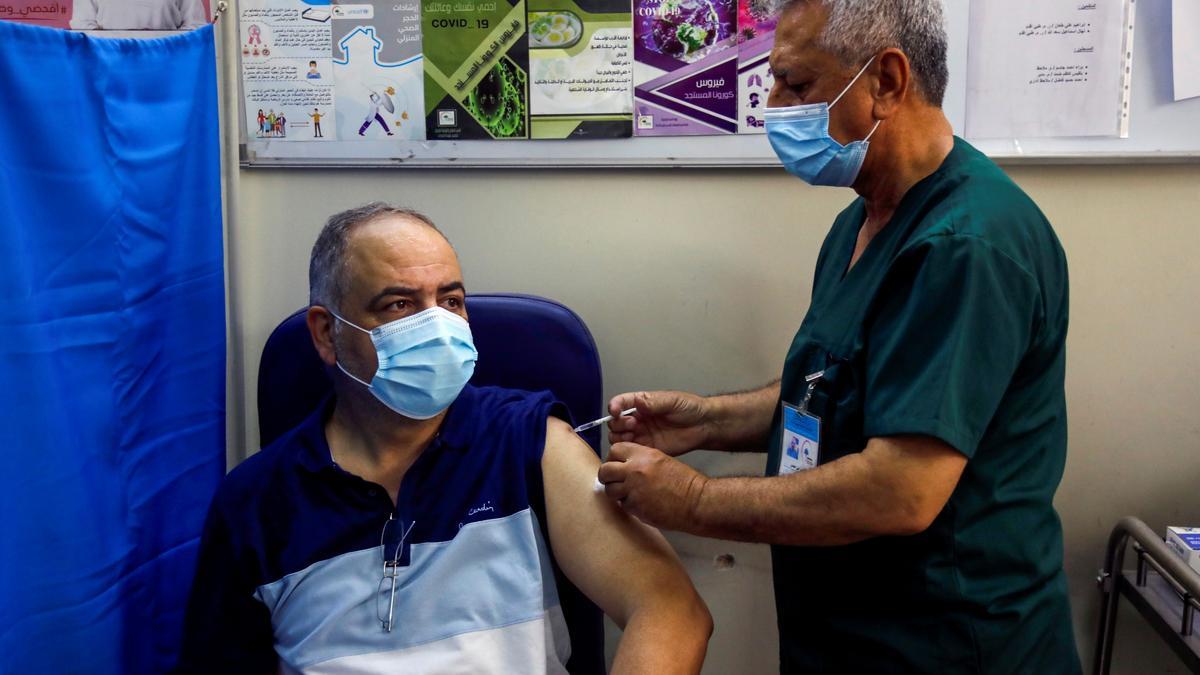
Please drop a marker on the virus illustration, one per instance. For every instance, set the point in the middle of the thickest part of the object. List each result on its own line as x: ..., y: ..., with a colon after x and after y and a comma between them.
x: 680, y: 28
x: 753, y: 19
x: 498, y: 101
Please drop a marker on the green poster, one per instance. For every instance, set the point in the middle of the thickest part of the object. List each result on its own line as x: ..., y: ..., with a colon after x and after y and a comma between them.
x: 581, y: 68
x: 476, y: 69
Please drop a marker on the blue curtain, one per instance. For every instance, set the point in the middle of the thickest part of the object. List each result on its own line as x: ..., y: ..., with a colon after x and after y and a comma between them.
x: 112, y: 344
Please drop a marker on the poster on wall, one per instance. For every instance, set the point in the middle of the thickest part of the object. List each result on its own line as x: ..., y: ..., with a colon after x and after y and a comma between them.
x: 756, y: 34
x: 377, y: 71
x: 1049, y: 68
x: 476, y: 69
x: 580, y: 68
x: 109, y: 14
x: 37, y: 12
x: 685, y: 67
x: 287, y: 77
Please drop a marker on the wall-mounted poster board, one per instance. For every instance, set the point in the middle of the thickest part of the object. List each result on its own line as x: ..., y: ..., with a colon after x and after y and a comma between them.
x: 1158, y: 127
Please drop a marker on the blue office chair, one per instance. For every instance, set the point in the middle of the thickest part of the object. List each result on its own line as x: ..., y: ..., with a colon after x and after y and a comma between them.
x: 524, y: 342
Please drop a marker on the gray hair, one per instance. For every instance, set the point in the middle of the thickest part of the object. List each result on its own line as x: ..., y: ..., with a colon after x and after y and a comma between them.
x: 327, y: 266
x: 859, y: 29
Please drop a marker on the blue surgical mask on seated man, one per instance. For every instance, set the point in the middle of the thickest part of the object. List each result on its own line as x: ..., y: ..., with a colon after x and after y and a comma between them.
x: 425, y: 360
x: 800, y: 136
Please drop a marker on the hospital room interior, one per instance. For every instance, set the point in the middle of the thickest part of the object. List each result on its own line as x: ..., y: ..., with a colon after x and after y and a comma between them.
x: 236, y: 347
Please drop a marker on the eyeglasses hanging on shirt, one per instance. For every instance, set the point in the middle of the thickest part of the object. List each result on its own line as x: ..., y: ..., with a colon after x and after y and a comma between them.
x: 391, y: 570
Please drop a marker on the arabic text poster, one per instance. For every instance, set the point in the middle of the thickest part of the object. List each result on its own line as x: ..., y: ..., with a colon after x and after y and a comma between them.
x: 580, y: 68
x: 685, y: 67
x: 286, y: 70
x: 756, y: 34
x: 377, y: 67
x: 38, y: 12
x: 476, y: 69
x: 1048, y: 68
x: 111, y: 15
x: 1185, y: 48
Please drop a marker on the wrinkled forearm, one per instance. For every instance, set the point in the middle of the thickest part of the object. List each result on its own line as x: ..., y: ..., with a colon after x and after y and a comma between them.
x: 741, y: 422
x: 892, y: 488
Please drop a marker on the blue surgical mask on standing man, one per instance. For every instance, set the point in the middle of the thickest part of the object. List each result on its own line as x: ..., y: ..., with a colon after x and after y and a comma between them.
x: 425, y: 360
x: 800, y: 136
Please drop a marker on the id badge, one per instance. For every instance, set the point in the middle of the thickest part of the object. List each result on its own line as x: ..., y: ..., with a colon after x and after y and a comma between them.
x: 801, y: 440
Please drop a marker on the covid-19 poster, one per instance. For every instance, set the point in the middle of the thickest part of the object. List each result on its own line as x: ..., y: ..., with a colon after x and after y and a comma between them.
x: 318, y: 72
x: 580, y: 68
x: 394, y: 71
x: 756, y: 34
x: 685, y: 70
x: 377, y: 69
x: 287, y: 78
x: 476, y: 69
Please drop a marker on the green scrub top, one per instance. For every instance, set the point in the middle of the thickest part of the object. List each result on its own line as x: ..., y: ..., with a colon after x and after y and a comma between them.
x: 952, y: 324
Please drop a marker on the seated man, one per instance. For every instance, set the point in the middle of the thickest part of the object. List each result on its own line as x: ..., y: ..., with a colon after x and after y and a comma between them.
x: 407, y: 525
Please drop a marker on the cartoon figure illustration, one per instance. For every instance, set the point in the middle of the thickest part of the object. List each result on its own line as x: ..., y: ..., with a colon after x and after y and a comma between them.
x: 378, y: 100
x: 312, y: 71
x: 271, y: 122
x: 282, y: 122
x: 316, y: 118
x: 754, y: 103
x: 262, y: 122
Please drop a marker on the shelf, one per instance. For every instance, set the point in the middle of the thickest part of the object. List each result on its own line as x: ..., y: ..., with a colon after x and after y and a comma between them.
x: 1162, y: 608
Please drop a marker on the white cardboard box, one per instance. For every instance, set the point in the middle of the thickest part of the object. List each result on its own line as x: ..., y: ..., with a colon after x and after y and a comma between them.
x: 1185, y: 542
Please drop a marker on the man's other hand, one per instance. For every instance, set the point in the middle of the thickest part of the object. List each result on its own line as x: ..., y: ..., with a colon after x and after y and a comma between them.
x: 657, y: 489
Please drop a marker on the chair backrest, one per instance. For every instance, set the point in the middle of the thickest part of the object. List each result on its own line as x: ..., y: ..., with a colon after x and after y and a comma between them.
x: 524, y: 342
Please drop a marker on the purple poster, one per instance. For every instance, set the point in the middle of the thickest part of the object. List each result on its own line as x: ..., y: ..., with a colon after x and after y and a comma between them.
x: 756, y: 34
x: 685, y: 67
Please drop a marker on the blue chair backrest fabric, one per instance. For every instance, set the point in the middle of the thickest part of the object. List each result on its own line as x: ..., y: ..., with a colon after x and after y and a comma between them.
x: 524, y: 342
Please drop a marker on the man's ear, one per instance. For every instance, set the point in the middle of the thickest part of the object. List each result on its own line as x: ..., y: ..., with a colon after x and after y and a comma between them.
x: 320, y: 326
x: 894, y: 76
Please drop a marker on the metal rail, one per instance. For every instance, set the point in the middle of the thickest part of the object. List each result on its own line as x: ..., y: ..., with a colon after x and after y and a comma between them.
x: 1184, y: 580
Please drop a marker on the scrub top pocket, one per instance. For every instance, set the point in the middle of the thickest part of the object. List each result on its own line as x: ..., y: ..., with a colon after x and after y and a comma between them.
x: 837, y: 400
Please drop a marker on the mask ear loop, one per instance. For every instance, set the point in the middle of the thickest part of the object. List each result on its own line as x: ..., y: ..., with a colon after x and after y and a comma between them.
x: 839, y: 97
x: 351, y: 375
x: 337, y: 361
x: 864, y: 69
x: 352, y: 325
x: 873, y: 129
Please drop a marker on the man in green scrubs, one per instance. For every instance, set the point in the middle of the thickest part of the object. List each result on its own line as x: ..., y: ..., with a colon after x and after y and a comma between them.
x: 918, y: 433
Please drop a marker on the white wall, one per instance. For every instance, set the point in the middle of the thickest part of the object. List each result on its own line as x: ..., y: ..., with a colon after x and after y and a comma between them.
x: 698, y: 279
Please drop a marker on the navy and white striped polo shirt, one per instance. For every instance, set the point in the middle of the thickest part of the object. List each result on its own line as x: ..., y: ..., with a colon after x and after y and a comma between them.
x: 291, y: 570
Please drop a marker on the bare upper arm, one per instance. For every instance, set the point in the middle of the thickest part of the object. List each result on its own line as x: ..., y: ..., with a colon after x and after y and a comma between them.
x: 615, y: 559
x: 918, y: 474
